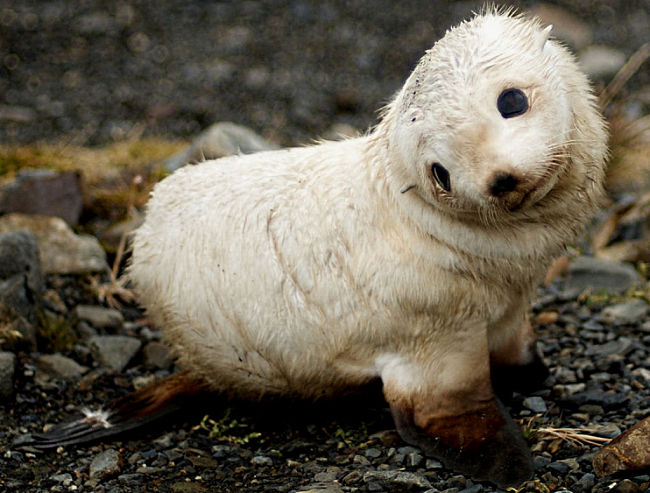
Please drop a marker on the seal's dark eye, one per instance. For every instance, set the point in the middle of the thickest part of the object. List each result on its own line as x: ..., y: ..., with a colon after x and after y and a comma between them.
x: 441, y: 175
x: 512, y: 102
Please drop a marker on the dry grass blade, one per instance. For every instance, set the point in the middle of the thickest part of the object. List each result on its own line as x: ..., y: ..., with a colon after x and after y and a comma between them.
x: 624, y: 74
x: 576, y: 436
x: 115, y: 290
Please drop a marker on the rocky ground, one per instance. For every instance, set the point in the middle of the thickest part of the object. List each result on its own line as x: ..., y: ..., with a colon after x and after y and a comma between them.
x: 82, y: 73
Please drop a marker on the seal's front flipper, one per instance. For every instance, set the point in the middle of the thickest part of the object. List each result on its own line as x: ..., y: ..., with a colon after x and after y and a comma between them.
x: 128, y: 412
x: 443, y: 402
x: 483, y: 443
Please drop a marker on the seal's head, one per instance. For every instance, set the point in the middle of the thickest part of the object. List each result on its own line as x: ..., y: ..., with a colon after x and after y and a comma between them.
x: 495, y: 121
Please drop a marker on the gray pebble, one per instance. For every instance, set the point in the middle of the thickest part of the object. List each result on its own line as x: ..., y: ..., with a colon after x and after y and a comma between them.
x: 414, y: 459
x: 397, y: 479
x: 114, y: 352
x: 99, y: 317
x: 372, y: 453
x: 535, y: 404
x: 621, y: 346
x: 262, y: 460
x: 433, y: 464
x: 58, y: 365
x: 107, y: 463
x: 598, y: 275
x: 630, y: 312
x: 324, y: 477
x: 64, y: 478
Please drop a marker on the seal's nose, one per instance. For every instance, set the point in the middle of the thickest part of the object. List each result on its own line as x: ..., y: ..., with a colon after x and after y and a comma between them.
x: 503, y: 183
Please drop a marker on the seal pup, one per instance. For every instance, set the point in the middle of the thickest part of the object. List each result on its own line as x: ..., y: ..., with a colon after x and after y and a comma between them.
x: 408, y: 254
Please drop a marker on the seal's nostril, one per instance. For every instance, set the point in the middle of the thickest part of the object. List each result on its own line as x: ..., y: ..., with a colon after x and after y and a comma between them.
x: 503, y: 183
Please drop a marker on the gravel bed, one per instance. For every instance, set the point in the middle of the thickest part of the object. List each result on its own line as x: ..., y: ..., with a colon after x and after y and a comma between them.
x: 599, y: 363
x: 90, y: 72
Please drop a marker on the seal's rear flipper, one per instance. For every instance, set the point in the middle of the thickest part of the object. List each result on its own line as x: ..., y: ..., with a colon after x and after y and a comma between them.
x: 130, y: 411
x: 485, y: 443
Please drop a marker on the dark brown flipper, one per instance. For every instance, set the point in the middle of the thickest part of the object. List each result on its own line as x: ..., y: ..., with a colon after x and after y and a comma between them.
x: 128, y: 412
x: 484, y: 443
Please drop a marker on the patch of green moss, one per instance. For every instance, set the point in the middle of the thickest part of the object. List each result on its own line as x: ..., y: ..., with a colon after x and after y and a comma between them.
x: 227, y: 429
x: 55, y: 334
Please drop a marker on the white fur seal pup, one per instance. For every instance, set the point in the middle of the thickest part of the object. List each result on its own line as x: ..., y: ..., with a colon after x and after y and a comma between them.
x: 408, y: 254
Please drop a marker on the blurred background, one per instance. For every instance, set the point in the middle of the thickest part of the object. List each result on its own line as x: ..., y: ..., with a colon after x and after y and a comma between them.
x: 88, y: 72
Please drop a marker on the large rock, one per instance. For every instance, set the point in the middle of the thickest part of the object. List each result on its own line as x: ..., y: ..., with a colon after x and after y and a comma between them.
x: 601, y: 275
x: 219, y: 140
x: 21, y: 287
x: 629, y: 452
x: 114, y: 351
x: 61, y: 250
x: 61, y: 366
x: 44, y: 191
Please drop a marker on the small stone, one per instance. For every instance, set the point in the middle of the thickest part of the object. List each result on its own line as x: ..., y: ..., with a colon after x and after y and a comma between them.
x: 414, y: 459
x: 352, y: 477
x: 219, y: 140
x: 535, y: 404
x: 541, y: 462
x: 559, y: 467
x: 433, y: 464
x: 408, y: 450
x: 61, y: 250
x: 397, y: 479
x: 114, y: 351
x: 105, y: 464
x: 587, y: 482
x: 58, y: 365
x: 262, y: 460
x: 164, y: 441
x: 328, y: 488
x: 607, y: 400
x: 630, y: 312
x: 372, y: 453
x: 44, y: 191
x: 7, y: 375
x: 643, y: 373
x: 64, y: 478
x: 360, y: 460
x: 564, y: 375
x: 99, y: 317
x: 324, y: 477
x: 592, y: 409
x: 618, y: 346
x: 477, y: 488
x: 628, y: 452
x: 607, y: 430
x: 156, y: 355
x: 600, y: 275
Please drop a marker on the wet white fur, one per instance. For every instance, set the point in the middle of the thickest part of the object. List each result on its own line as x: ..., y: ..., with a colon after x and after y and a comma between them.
x: 306, y: 271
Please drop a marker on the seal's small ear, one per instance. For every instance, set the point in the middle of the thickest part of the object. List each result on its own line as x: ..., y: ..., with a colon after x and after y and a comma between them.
x: 543, y: 38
